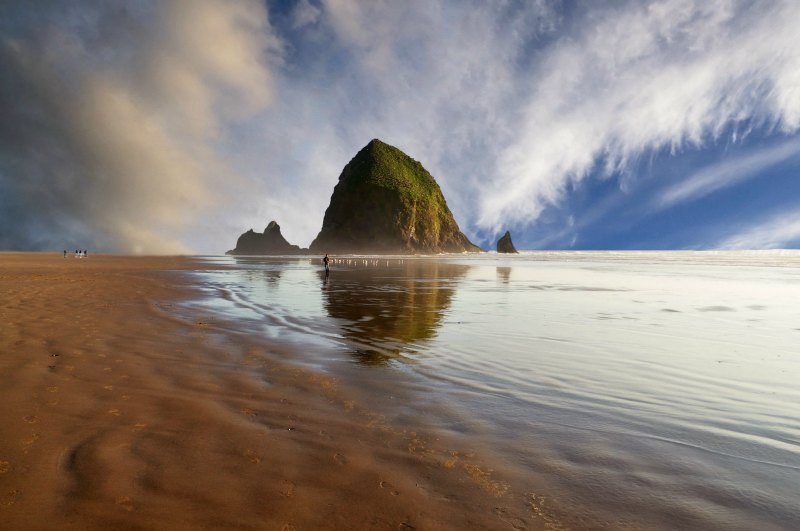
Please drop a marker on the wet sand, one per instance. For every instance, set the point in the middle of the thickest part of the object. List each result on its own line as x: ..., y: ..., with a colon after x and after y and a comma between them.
x: 121, y: 411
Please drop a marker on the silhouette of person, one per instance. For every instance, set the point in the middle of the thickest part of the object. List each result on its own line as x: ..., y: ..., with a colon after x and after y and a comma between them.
x: 65, y: 253
x: 325, y: 261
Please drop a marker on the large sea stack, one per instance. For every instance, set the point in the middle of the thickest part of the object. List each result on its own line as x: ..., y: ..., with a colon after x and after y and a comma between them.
x: 505, y: 245
x: 271, y: 242
x: 385, y: 203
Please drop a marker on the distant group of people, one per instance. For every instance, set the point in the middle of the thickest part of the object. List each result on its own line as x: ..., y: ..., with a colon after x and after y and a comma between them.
x: 79, y: 253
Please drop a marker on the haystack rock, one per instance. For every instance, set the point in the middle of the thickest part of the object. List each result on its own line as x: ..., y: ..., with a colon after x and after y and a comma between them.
x: 386, y: 203
x: 505, y: 245
x: 271, y: 242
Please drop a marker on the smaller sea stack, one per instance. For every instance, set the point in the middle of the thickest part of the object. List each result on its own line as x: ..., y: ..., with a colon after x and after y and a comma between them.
x: 505, y: 245
x: 271, y: 242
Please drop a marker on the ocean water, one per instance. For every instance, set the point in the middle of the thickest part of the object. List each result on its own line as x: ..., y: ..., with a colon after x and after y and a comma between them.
x: 635, y: 389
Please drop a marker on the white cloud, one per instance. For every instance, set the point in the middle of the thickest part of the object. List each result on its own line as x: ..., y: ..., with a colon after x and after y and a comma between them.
x: 112, y: 114
x: 641, y: 77
x: 304, y: 14
x: 775, y: 232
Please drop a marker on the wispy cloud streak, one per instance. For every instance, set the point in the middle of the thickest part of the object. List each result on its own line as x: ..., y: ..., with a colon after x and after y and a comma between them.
x: 727, y: 173
x: 644, y: 77
x: 775, y: 232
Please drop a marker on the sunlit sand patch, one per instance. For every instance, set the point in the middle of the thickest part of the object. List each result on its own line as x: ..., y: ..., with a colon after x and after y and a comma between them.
x: 115, y: 412
x: 451, y: 463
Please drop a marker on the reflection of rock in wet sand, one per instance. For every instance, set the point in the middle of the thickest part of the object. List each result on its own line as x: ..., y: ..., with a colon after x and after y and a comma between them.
x: 387, y: 308
x: 504, y: 274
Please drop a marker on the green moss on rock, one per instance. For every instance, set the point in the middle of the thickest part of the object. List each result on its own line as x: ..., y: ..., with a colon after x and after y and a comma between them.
x: 386, y: 202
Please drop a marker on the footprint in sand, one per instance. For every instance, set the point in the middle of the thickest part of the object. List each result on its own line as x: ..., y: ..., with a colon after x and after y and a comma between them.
x: 252, y: 456
x: 390, y: 487
x: 139, y: 426
x: 27, y: 443
x: 11, y: 497
x: 108, y: 387
x: 31, y: 419
x: 340, y: 459
x: 53, y: 389
x: 5, y: 466
x: 115, y: 412
x: 125, y: 502
x: 287, y: 488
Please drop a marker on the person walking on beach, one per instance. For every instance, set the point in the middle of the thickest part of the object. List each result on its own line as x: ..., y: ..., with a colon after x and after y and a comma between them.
x: 65, y: 253
x: 325, y: 262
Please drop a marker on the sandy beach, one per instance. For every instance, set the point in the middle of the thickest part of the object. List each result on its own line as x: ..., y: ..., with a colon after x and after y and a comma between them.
x: 119, y: 411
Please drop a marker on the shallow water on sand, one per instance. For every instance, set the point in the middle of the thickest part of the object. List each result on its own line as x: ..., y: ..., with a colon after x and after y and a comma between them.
x: 642, y: 389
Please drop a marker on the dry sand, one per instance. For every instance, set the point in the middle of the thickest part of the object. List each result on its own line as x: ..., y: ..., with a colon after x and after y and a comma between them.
x: 119, y: 411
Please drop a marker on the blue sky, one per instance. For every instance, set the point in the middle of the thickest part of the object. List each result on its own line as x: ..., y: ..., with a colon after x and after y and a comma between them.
x: 173, y: 126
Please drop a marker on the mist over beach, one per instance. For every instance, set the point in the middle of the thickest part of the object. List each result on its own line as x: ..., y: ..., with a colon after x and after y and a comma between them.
x: 332, y: 264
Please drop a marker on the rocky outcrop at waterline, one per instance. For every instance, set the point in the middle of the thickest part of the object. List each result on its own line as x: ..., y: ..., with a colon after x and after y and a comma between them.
x: 505, y: 245
x: 387, y: 203
x: 270, y: 242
